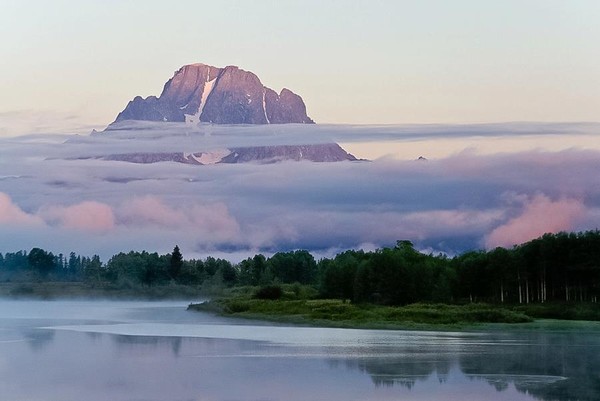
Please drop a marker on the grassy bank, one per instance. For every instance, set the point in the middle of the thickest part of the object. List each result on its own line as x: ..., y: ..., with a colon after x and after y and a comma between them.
x: 561, y: 311
x: 335, y: 313
x: 293, y: 307
x: 300, y: 305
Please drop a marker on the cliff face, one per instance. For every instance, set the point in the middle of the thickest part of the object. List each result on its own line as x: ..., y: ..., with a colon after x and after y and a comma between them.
x: 202, y: 93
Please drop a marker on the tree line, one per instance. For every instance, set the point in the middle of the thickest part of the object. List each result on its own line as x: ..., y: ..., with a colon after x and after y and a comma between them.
x: 554, y: 267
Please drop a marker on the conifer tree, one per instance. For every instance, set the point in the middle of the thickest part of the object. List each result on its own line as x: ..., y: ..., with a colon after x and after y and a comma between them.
x: 176, y: 263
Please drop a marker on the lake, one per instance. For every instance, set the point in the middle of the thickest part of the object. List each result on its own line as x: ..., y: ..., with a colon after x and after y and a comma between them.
x: 159, y: 351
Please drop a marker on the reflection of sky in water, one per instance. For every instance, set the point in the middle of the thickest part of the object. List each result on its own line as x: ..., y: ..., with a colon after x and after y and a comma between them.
x: 159, y: 351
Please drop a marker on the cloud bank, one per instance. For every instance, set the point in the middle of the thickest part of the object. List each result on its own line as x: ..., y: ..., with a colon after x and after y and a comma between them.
x: 540, y: 215
x: 54, y: 196
x: 87, y: 216
x: 11, y: 214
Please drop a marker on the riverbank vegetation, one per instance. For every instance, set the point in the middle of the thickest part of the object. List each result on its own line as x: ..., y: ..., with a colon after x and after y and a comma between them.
x: 554, y: 276
x: 301, y: 305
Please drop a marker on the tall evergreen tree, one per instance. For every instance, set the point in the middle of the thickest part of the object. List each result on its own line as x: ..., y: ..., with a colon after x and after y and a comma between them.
x: 176, y: 263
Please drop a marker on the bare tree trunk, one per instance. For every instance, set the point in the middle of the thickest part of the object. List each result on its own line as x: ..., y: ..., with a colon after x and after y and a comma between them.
x: 545, y: 288
x: 544, y: 285
x: 520, y: 289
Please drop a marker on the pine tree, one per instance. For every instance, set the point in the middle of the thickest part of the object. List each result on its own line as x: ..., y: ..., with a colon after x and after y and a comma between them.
x: 176, y: 263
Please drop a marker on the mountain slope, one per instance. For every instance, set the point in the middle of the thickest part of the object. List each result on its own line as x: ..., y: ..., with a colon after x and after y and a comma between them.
x: 230, y: 95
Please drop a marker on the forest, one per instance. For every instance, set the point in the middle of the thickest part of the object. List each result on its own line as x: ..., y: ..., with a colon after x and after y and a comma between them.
x: 555, y: 267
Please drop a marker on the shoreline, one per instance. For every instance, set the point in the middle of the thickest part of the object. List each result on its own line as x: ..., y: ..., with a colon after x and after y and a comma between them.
x: 312, y: 312
x: 421, y: 317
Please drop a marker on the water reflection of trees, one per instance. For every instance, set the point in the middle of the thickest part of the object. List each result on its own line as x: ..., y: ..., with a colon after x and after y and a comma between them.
x: 38, y: 339
x: 142, y: 343
x: 549, y: 366
x: 538, y: 365
x: 405, y: 370
x: 177, y: 346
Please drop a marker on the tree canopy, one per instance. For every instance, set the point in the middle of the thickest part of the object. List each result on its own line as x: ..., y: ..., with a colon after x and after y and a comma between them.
x: 555, y: 267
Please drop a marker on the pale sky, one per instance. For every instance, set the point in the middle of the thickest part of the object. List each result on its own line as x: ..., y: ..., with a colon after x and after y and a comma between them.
x: 71, y: 64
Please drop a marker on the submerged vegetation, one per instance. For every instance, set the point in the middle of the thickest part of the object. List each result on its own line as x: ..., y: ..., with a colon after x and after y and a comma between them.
x: 554, y: 276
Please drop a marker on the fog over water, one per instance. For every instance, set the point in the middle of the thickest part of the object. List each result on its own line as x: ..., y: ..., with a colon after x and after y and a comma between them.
x: 100, y: 350
x: 482, y: 185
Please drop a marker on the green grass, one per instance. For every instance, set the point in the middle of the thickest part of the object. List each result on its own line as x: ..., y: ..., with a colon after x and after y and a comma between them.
x: 561, y: 310
x: 336, y: 313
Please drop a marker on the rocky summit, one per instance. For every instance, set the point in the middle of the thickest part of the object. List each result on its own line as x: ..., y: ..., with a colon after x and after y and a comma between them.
x: 203, y: 93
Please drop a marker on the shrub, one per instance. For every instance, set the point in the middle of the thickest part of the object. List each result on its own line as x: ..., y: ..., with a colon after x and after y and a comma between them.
x: 238, y: 307
x: 271, y: 292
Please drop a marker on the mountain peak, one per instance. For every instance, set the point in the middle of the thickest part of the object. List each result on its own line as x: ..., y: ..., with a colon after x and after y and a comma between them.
x: 230, y: 95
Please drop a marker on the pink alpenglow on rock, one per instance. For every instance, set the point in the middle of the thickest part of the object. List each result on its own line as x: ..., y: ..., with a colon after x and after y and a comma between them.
x: 203, y: 93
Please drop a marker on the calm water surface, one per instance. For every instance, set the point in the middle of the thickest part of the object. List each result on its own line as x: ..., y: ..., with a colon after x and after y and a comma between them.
x: 147, y: 351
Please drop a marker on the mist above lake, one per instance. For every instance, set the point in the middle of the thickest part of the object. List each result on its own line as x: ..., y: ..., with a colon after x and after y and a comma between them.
x: 92, y: 350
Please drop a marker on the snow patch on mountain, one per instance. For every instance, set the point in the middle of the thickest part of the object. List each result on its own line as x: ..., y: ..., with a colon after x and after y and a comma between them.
x: 264, y: 104
x: 195, y: 118
x: 325, y: 152
x: 213, y: 157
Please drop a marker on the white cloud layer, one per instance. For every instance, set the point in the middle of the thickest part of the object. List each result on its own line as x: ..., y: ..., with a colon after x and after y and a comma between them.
x: 52, y: 195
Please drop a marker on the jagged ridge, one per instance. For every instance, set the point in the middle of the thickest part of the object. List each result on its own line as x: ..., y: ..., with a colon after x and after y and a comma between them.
x: 230, y: 95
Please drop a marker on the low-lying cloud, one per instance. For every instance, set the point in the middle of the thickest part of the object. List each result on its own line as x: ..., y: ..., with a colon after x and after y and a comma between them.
x: 88, y: 216
x: 202, y: 219
x: 11, y: 214
x: 50, y: 193
x: 539, y: 215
